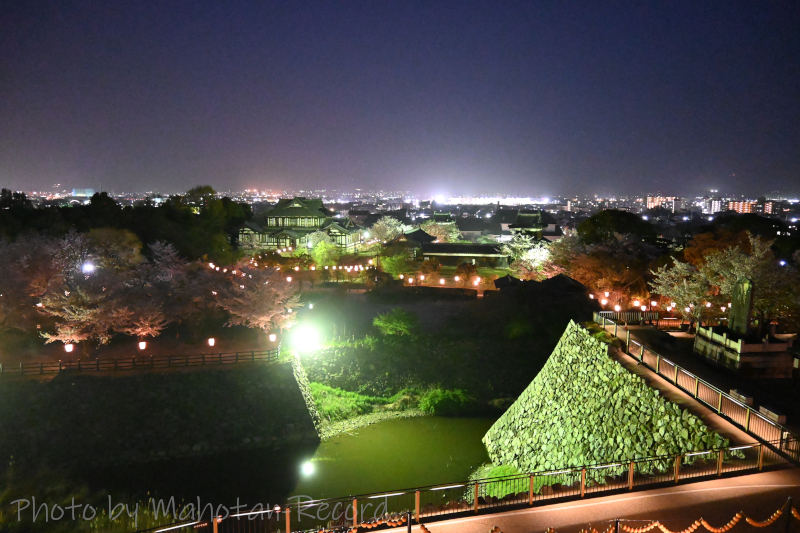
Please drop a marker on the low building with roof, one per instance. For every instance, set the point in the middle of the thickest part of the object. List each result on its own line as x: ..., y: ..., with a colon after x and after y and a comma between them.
x: 290, y: 223
x: 453, y: 254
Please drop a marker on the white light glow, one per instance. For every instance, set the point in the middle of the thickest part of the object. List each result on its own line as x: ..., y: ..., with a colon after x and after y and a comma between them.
x: 305, y: 339
x: 307, y: 468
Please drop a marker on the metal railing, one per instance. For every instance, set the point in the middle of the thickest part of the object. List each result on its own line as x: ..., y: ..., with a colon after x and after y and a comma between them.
x: 631, y: 317
x: 742, y: 415
x: 142, y: 362
x: 393, y: 508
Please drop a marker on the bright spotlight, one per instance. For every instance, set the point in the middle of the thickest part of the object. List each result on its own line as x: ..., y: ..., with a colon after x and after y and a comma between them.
x: 307, y: 468
x: 305, y: 339
x: 87, y: 268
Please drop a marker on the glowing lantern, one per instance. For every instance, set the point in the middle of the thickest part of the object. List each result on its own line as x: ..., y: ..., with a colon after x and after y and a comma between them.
x: 644, y: 308
x: 457, y: 278
x: 603, y: 301
x: 289, y: 279
x: 272, y: 337
x: 68, y: 347
x: 142, y: 345
x: 617, y: 308
x: 296, y: 269
x: 401, y: 276
x: 654, y: 303
x: 212, y: 341
x: 441, y: 281
x: 422, y: 277
x: 606, y: 294
x: 636, y: 303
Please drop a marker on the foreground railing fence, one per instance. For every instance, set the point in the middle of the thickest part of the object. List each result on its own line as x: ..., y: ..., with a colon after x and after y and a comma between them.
x: 141, y: 362
x: 724, y: 404
x: 392, y: 509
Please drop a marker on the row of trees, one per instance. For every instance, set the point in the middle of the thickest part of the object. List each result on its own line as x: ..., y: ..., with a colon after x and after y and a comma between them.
x: 197, y: 224
x: 87, y: 287
x: 619, y: 254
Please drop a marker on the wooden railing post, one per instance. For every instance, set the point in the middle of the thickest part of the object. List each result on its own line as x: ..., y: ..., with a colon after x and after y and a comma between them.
x: 747, y: 421
x: 630, y: 475
x: 719, y: 462
x: 355, y: 512
x: 416, y: 507
x: 583, y: 482
x: 761, y: 457
x: 696, y: 386
x: 475, y: 497
x: 676, y: 374
x: 288, y: 520
x: 628, y: 341
x: 677, y: 467
x: 658, y: 363
x: 214, y: 524
x: 719, y: 404
x: 41, y: 368
x: 59, y: 367
x: 530, y: 491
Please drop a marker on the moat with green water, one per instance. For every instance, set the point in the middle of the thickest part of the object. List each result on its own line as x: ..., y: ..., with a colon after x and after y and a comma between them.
x: 393, y: 454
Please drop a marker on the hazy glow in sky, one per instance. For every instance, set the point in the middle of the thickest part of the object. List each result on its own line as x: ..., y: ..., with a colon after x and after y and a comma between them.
x: 454, y: 98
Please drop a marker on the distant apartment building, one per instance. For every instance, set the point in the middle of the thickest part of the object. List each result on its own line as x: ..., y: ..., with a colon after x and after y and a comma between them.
x: 742, y: 207
x: 714, y: 205
x: 672, y: 203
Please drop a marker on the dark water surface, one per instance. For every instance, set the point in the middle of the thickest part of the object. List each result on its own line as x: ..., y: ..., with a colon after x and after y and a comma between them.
x: 393, y: 454
x: 396, y: 454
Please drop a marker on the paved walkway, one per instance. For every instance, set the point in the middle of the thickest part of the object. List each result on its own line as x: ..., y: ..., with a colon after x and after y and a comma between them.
x: 757, y: 495
x: 782, y: 394
x: 672, y: 393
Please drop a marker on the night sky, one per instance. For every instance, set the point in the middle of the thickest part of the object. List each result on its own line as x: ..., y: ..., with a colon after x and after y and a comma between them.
x: 533, y: 98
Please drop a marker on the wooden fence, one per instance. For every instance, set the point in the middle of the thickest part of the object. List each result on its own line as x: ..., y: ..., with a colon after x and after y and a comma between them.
x: 141, y: 362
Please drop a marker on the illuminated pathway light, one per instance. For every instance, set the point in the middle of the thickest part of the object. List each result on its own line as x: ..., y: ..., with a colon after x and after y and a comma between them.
x: 305, y: 339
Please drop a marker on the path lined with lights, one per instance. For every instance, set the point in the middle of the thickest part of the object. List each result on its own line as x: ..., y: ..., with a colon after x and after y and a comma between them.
x: 677, y: 508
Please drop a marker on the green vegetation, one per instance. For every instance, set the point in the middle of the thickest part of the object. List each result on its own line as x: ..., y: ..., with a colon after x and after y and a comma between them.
x: 335, y: 404
x: 584, y: 408
x: 398, y: 321
x: 442, y: 402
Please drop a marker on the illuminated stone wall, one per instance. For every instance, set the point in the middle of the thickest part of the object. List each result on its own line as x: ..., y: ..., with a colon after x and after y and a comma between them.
x: 584, y: 408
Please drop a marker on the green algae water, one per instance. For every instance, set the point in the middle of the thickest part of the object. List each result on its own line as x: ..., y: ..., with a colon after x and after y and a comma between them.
x: 394, y: 454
